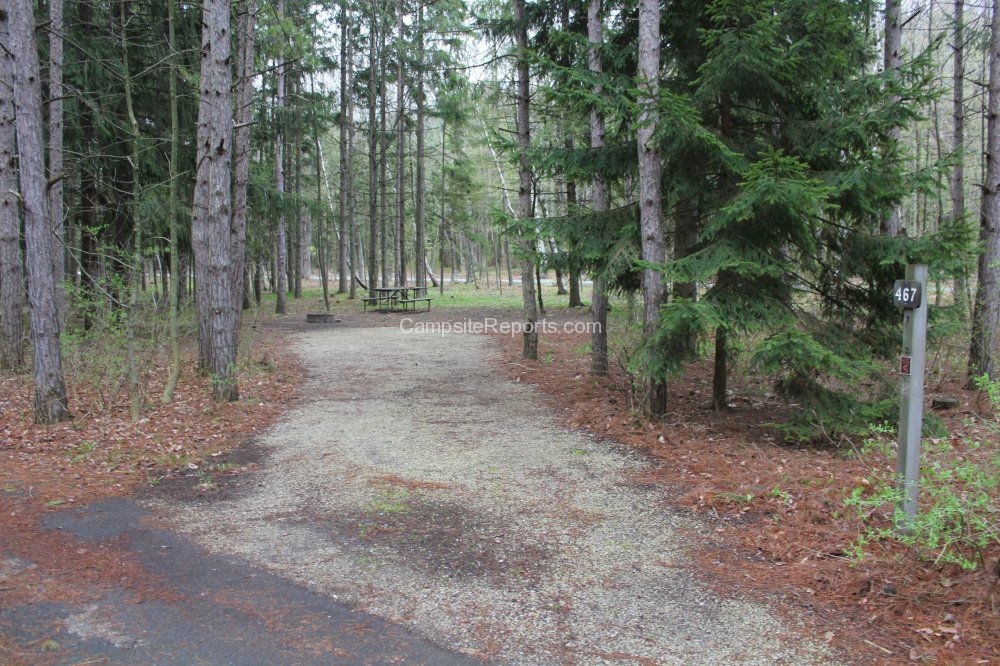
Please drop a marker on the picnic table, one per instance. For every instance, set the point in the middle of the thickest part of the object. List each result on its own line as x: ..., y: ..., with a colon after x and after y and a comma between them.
x: 389, y: 299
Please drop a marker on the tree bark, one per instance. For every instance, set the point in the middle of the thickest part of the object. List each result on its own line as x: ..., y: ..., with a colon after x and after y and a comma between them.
x: 299, y: 263
x: 12, y: 296
x: 720, y: 371
x: 343, y: 248
x: 51, y: 404
x: 571, y: 199
x: 986, y: 313
x: 173, y: 290
x: 599, y: 299
x: 242, y: 136
x: 136, y: 266
x: 650, y: 203
x: 957, y: 181
x: 528, y: 296
x: 420, y: 196
x: 218, y: 308
x: 57, y: 207
x: 383, y: 169
x: 373, y: 148
x: 891, y: 225
x: 354, y: 240
x: 401, y: 154
x: 442, y: 237
x: 281, y: 234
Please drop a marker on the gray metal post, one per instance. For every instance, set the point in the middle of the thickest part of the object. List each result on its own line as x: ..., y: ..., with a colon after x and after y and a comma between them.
x: 911, y: 369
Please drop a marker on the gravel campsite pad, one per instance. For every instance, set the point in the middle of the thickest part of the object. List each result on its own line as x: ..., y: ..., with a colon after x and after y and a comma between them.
x: 415, y: 483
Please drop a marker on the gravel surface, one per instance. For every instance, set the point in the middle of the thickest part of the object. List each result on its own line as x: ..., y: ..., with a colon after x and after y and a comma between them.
x: 416, y: 484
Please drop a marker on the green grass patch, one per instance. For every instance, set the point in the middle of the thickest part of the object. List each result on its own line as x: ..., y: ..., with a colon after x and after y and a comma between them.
x: 393, y: 502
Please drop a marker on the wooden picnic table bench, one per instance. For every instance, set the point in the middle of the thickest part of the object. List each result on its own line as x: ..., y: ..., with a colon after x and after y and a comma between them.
x: 388, y: 299
x: 414, y: 301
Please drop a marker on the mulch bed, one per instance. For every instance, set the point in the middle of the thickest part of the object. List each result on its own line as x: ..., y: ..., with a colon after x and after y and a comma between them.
x: 784, y: 531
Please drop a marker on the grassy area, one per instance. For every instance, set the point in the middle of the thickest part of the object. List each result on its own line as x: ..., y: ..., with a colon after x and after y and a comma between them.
x: 457, y: 295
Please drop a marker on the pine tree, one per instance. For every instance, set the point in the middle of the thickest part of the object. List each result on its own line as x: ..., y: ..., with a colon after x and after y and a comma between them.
x: 524, y: 207
x: 218, y: 310
x: 12, y: 296
x: 650, y: 192
x: 51, y: 404
x: 986, y: 313
x: 793, y: 186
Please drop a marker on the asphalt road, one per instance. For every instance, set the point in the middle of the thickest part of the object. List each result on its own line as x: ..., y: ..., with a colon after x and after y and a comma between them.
x: 220, y: 610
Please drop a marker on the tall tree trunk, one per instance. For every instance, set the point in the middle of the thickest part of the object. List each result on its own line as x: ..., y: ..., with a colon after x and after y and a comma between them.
x: 246, y: 20
x: 571, y: 199
x: 599, y: 299
x: 650, y: 203
x: 986, y: 313
x: 300, y: 248
x: 420, y: 197
x: 90, y: 265
x: 528, y: 249
x: 727, y: 185
x: 957, y: 182
x: 136, y: 265
x: 401, y: 155
x: 281, y: 235
x: 354, y: 239
x: 442, y: 235
x: 218, y: 309
x: 893, y: 46
x: 560, y: 282
x: 57, y: 207
x: 373, y: 148
x: 323, y: 221
x: 720, y: 371
x: 574, y: 272
x: 246, y: 40
x: 173, y: 290
x: 343, y: 248
x: 51, y: 404
x: 12, y: 296
x: 383, y: 168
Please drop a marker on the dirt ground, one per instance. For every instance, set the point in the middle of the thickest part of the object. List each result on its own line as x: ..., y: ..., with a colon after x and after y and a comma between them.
x: 890, y: 608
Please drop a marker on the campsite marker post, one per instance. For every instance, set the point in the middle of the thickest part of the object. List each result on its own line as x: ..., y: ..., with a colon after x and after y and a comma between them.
x: 909, y: 294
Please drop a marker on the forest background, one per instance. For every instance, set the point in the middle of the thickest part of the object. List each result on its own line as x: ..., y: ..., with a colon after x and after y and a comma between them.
x: 756, y: 174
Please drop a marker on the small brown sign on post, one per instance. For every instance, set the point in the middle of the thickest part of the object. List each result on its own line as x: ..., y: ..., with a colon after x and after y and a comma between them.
x: 904, y: 365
